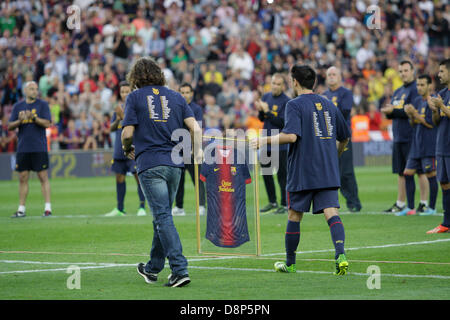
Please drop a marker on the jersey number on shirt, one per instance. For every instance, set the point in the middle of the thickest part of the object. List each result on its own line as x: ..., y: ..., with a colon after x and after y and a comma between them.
x: 319, y: 129
x: 163, y: 115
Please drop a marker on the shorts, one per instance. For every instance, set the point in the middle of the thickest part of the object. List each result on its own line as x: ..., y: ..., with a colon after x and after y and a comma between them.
x: 123, y: 166
x: 443, y: 169
x: 31, y: 161
x: 321, y: 199
x: 400, y: 152
x: 422, y: 165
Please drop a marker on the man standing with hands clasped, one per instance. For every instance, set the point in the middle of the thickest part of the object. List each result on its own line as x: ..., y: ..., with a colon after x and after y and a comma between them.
x: 271, y: 112
x: 441, y: 117
x: 32, y: 117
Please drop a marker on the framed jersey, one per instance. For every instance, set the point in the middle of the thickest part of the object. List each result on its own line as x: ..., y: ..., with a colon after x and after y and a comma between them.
x: 231, y: 223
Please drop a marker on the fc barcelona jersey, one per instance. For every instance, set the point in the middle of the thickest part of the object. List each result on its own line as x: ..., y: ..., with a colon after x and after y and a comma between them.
x: 226, y: 222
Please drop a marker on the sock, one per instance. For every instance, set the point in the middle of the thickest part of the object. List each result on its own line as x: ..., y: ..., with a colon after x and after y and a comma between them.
x: 21, y: 208
x: 446, y: 206
x: 48, y: 207
x: 121, y: 189
x: 292, y: 239
x: 400, y: 204
x: 433, y: 191
x: 337, y: 234
x: 410, y: 190
x: 141, y: 197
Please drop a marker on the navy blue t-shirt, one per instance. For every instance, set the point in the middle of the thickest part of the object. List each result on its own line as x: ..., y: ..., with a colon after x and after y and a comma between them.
x: 313, y: 158
x: 274, y: 120
x: 155, y: 112
x: 198, y: 112
x: 401, y: 128
x: 118, y: 151
x: 423, y: 144
x: 226, y: 180
x: 342, y: 98
x: 443, y: 131
x: 31, y: 136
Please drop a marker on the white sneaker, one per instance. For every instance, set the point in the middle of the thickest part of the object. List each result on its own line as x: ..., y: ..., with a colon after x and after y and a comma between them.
x: 141, y: 212
x: 202, y: 210
x: 178, y: 211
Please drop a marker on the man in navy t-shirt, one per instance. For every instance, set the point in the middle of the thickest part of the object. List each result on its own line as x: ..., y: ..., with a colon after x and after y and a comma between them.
x: 421, y: 158
x: 187, y: 92
x: 152, y: 115
x: 313, y: 128
x: 271, y: 111
x: 342, y: 98
x: 121, y: 164
x: 441, y: 117
x: 32, y: 117
x: 401, y: 130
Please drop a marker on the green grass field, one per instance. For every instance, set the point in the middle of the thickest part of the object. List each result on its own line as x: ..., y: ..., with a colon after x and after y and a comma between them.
x: 35, y: 252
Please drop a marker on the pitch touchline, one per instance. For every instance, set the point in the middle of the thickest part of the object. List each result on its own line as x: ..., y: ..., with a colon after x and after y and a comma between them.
x: 199, y: 258
x: 231, y: 269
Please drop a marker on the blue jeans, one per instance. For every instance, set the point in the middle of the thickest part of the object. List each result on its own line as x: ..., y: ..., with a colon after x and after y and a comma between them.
x: 159, y: 185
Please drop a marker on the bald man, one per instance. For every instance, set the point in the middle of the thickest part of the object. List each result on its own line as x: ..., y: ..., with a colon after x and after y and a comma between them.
x: 31, y: 116
x: 343, y: 100
x: 271, y: 111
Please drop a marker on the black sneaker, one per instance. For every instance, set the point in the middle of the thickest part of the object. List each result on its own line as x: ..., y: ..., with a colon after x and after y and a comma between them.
x: 149, y: 277
x: 354, y: 209
x: 421, y: 208
x: 18, y: 214
x: 280, y: 210
x: 394, y: 208
x: 178, y: 281
x: 269, y: 207
x: 47, y: 213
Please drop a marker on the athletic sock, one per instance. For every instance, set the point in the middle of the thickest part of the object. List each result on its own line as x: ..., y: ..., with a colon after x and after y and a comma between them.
x: 446, y: 206
x: 410, y: 190
x: 21, y: 208
x: 433, y: 191
x: 48, y: 207
x: 337, y: 234
x: 141, y: 197
x: 121, y: 189
x: 292, y: 239
x: 400, y: 204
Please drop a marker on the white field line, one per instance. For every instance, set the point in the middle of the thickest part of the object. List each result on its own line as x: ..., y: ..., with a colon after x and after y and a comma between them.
x: 206, y: 258
x: 106, y: 265
x: 188, y: 214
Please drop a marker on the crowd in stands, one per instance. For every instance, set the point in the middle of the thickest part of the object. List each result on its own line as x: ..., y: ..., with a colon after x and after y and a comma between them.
x: 227, y: 50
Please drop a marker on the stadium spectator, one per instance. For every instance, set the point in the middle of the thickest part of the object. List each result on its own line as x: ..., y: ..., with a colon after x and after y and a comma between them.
x: 272, y: 38
x: 375, y: 117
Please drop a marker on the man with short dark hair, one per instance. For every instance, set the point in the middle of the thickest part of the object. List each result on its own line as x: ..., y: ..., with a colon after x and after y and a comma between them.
x: 152, y: 114
x: 441, y: 117
x: 402, y: 131
x: 317, y: 133
x: 187, y: 92
x: 421, y: 158
x: 121, y: 165
x: 32, y: 117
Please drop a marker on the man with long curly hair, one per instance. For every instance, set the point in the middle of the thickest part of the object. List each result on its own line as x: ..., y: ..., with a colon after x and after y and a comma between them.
x: 152, y: 114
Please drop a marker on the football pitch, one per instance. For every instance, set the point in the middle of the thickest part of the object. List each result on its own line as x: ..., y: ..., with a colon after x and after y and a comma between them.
x: 39, y: 257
